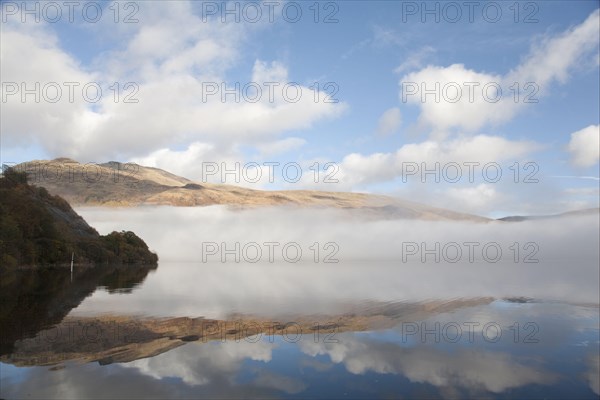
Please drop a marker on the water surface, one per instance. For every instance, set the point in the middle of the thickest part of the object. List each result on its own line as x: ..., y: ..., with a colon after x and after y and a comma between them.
x: 369, y: 326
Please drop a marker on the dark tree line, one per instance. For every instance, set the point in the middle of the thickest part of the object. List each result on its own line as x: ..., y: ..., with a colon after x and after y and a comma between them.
x: 39, y: 229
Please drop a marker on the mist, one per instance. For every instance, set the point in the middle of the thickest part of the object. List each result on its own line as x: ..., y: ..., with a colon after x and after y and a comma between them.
x: 178, y: 234
x: 370, y: 265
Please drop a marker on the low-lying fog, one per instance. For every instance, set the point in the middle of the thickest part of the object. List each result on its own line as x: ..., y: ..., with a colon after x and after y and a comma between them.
x: 379, y: 261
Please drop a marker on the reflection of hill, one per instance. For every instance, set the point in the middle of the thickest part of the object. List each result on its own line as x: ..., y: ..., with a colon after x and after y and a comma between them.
x: 34, y: 299
x: 110, y: 339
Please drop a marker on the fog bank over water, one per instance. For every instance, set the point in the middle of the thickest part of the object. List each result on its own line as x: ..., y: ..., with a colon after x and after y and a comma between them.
x: 370, y: 267
x: 178, y: 234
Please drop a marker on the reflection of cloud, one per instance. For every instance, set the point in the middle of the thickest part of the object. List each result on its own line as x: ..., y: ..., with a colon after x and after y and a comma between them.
x: 84, y: 382
x: 118, y: 381
x: 205, y: 364
x: 526, y: 325
x: 473, y: 369
x: 315, y: 364
x: 593, y: 373
x: 279, y: 382
x: 234, y: 370
x: 199, y: 364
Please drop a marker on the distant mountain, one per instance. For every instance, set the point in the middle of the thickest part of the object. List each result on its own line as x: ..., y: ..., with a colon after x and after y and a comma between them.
x: 127, y: 185
x: 40, y: 229
x: 518, y: 218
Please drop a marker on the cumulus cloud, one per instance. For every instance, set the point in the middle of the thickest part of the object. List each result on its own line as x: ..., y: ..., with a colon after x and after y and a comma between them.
x: 193, y: 161
x: 357, y: 170
x: 469, y: 100
x: 462, y: 174
x: 208, y: 163
x: 390, y: 121
x: 263, y: 72
x: 173, y: 82
x: 474, y: 198
x: 28, y: 118
x: 584, y: 146
x: 451, y: 104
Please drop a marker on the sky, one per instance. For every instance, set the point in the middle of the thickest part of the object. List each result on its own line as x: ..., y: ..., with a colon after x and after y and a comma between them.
x: 490, y: 108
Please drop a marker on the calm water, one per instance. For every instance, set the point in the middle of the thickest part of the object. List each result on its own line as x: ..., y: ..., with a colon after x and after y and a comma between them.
x: 354, y: 329
x: 185, y: 330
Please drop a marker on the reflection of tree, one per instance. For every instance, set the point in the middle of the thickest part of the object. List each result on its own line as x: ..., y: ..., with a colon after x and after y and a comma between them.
x: 34, y: 299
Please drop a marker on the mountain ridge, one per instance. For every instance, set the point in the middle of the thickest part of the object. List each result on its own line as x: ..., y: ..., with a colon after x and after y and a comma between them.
x: 519, y: 218
x: 116, y: 184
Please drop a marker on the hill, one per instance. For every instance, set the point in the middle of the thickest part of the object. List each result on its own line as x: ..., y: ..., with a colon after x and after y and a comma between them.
x: 40, y: 229
x: 116, y: 184
x: 519, y: 218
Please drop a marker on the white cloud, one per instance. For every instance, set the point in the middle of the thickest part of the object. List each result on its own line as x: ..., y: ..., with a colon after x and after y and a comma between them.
x: 27, y: 120
x: 473, y: 198
x: 457, y: 180
x: 262, y: 72
x: 357, y: 170
x: 172, y: 76
x: 205, y: 162
x: 554, y: 57
x: 453, y: 107
x: 584, y: 146
x: 189, y: 162
x: 390, y: 121
x: 462, y: 105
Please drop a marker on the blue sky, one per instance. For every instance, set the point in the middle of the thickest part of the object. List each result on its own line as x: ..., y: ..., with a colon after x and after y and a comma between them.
x: 368, y: 52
